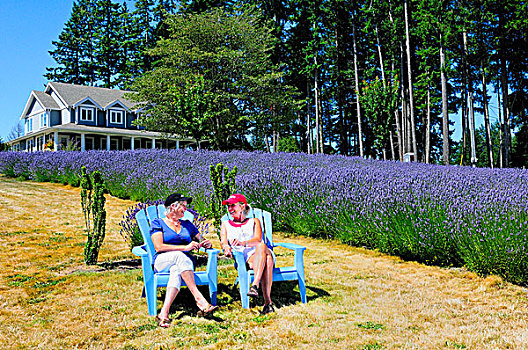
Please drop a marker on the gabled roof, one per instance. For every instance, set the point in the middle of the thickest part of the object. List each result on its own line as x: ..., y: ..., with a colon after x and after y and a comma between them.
x: 114, y: 103
x: 45, y: 101
x: 72, y: 94
x: 87, y: 98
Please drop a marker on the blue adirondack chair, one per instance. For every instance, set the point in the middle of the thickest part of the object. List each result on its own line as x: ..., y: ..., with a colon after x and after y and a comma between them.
x: 287, y: 273
x: 153, y: 280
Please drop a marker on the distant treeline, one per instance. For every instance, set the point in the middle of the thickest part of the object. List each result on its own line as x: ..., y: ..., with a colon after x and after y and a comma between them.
x: 370, y: 78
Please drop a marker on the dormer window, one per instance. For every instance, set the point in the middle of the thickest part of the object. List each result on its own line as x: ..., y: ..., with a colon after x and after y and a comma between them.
x: 116, y: 117
x: 87, y: 114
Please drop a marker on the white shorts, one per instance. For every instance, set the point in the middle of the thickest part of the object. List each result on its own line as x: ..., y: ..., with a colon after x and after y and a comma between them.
x: 250, y: 251
x: 174, y: 262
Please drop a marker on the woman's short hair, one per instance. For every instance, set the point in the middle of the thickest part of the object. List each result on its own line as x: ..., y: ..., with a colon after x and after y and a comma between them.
x: 246, y: 207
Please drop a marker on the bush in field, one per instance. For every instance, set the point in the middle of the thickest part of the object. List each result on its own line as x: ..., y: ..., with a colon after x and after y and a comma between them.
x: 93, y: 202
x: 433, y: 214
x: 224, y: 185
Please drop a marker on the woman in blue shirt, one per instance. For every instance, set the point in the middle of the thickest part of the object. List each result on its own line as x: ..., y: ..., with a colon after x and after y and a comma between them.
x: 174, y: 239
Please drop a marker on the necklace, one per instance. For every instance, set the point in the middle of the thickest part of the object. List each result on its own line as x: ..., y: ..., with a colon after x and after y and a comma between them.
x: 240, y: 221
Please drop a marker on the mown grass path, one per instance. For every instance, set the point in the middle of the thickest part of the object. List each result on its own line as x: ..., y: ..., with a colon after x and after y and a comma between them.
x: 358, y: 299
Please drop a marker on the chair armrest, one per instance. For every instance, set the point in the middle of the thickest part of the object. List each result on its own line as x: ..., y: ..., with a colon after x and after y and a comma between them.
x: 138, y: 251
x: 209, y: 251
x: 212, y: 262
x: 212, y: 253
x: 291, y: 246
x: 298, y: 260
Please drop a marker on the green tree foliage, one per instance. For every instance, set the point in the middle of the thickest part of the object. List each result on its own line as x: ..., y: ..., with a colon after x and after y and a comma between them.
x: 3, y: 145
x: 249, y: 59
x: 104, y: 44
x: 212, y: 78
x: 379, y: 103
x: 74, y: 49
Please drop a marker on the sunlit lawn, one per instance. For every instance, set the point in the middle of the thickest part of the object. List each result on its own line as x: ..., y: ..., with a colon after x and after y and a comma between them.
x: 356, y: 298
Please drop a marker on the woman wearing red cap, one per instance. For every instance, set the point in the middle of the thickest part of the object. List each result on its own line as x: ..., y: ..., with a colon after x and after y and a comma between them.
x: 245, y: 235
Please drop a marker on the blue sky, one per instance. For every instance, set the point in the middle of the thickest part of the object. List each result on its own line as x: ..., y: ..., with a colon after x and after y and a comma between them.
x: 27, y: 28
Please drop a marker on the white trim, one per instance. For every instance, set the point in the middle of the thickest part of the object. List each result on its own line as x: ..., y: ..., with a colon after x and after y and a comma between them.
x: 79, y: 103
x: 44, y: 119
x: 86, y: 108
x: 61, y: 99
x: 115, y: 102
x: 117, y: 112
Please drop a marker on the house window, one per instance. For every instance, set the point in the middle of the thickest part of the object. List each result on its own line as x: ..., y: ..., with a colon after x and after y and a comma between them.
x: 116, y: 117
x: 43, y: 119
x: 29, y: 125
x: 87, y: 114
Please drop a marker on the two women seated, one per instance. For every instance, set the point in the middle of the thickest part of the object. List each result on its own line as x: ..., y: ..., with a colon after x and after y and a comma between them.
x: 174, y: 240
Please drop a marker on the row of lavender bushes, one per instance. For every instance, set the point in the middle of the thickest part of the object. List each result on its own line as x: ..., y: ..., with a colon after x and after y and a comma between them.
x: 448, y: 216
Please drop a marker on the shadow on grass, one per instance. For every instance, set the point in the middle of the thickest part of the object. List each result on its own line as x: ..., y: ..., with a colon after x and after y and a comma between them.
x: 283, y: 294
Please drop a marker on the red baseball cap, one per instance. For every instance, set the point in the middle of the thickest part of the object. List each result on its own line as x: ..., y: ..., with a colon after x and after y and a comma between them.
x: 235, y: 198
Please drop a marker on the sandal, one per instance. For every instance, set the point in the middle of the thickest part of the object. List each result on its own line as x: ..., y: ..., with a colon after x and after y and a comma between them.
x: 163, y: 322
x: 208, y: 310
x: 253, y: 291
x: 267, y: 309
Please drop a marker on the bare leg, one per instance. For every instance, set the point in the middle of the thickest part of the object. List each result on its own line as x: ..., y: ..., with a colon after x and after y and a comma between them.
x: 188, y: 277
x: 259, y: 263
x: 267, y: 279
x: 170, y: 295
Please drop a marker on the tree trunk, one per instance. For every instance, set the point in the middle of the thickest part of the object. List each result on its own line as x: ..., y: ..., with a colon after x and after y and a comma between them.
x: 308, y: 120
x: 317, y: 112
x: 471, y: 115
x: 501, y: 141
x: 463, y: 120
x: 340, y: 67
x: 505, y: 113
x: 445, y: 115
x: 410, y: 86
x: 399, y: 131
x: 428, y: 128
x: 504, y: 89
x: 356, y: 78
x: 487, y: 126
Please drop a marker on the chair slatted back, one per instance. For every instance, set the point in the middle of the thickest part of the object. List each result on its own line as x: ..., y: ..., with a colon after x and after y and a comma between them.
x: 145, y: 216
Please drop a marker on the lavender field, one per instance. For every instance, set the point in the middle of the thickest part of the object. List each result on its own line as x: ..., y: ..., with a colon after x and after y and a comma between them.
x: 449, y: 216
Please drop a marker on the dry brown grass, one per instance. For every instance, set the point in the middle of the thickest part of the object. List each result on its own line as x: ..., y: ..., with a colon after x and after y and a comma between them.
x: 358, y: 299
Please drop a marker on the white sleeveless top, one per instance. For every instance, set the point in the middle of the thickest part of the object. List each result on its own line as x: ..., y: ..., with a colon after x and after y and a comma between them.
x: 242, y: 232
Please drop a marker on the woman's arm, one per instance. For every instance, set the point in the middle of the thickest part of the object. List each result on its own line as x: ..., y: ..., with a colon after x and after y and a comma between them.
x: 226, y: 248
x: 160, y: 246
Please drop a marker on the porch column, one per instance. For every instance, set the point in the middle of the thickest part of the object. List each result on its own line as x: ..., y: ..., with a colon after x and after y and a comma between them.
x: 83, y: 143
x: 55, y: 141
x: 153, y: 143
x: 108, y: 142
x: 177, y: 144
x: 132, y: 139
